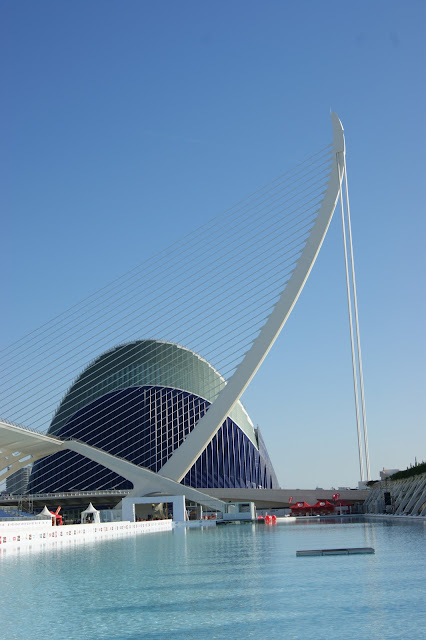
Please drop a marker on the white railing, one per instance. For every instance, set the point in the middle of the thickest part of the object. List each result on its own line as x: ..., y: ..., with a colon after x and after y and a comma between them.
x: 14, y: 497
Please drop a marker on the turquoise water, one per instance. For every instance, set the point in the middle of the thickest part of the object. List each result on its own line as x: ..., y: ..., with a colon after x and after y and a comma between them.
x: 234, y: 581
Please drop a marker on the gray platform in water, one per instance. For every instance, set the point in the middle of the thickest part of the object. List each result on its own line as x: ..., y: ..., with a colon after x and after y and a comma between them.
x: 335, y: 552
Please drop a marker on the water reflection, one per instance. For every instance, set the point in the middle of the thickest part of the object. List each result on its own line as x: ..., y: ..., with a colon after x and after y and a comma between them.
x: 239, y: 581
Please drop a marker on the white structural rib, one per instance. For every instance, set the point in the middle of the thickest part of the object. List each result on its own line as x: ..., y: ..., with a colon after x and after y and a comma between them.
x: 145, y: 482
x: 18, y: 443
x: 185, y: 456
x: 20, y: 447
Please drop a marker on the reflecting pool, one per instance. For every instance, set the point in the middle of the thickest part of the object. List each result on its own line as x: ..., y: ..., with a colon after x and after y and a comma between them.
x: 233, y: 581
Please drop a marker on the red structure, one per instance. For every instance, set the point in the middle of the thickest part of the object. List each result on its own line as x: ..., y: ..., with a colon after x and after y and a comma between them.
x: 301, y: 509
x: 323, y: 508
x: 58, y: 518
x: 320, y: 508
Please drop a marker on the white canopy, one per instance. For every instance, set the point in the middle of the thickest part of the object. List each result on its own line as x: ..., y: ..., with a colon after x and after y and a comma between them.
x: 90, y: 511
x: 45, y: 512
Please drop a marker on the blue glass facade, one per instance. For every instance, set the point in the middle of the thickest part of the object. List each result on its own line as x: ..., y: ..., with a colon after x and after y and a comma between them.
x: 128, y: 404
x: 145, y: 425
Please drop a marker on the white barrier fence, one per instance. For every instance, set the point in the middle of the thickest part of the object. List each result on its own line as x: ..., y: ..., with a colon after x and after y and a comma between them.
x: 24, y: 524
x: 41, y: 532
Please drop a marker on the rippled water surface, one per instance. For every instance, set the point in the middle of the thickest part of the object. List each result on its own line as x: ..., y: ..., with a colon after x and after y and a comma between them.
x: 234, y: 581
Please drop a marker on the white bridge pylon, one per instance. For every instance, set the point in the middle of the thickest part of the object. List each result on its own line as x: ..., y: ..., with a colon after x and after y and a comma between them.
x: 199, y: 317
x: 189, y: 451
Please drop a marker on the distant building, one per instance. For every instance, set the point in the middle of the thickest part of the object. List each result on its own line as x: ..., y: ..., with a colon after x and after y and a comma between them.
x: 386, y: 473
x: 18, y: 481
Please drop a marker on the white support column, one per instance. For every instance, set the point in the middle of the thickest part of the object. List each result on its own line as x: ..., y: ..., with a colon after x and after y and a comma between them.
x: 128, y: 506
x: 128, y: 509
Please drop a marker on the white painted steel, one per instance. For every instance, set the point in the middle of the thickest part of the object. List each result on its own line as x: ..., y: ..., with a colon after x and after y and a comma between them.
x: 182, y: 313
x: 408, y: 497
x: 421, y: 497
x: 145, y: 482
x: 185, y: 456
x: 351, y: 335
x: 13, y: 438
x: 358, y: 339
x: 30, y: 445
x: 128, y: 506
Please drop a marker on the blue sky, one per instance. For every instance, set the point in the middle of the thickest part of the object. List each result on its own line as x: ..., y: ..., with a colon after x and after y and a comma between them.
x: 125, y: 125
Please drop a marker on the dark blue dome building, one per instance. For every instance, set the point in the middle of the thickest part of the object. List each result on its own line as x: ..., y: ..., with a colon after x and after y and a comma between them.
x: 139, y: 401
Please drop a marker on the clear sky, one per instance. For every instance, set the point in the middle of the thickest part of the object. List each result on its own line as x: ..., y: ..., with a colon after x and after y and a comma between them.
x: 127, y: 124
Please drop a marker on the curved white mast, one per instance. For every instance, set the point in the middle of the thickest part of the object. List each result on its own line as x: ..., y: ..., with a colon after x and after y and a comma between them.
x: 185, y: 456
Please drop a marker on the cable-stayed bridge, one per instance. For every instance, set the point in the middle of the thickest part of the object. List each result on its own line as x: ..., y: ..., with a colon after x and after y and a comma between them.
x: 194, y: 322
